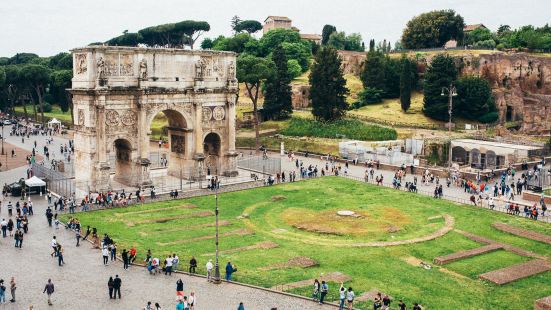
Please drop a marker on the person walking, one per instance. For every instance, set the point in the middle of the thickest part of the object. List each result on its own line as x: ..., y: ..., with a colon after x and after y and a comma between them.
x: 230, y: 269
x: 105, y: 254
x: 117, y: 287
x: 125, y: 259
x: 49, y: 289
x: 350, y: 298
x: 209, y: 267
x: 110, y: 287
x: 342, y: 296
x: 179, y: 289
x: 2, y: 292
x: 77, y: 235
x: 113, y: 252
x: 13, y: 287
x: 241, y: 306
x: 324, y: 291
x: 60, y: 261
x: 175, y: 261
x: 315, y: 295
x: 168, y: 266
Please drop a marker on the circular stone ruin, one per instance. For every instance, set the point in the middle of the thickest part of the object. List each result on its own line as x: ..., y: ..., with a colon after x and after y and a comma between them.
x: 347, y: 213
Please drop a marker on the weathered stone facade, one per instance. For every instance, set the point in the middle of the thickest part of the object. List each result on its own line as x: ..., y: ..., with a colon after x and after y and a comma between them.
x: 521, y: 83
x: 300, y: 96
x: 522, y: 88
x: 117, y: 91
x: 352, y: 62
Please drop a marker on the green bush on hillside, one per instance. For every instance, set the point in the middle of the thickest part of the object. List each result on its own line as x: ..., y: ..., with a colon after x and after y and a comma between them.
x: 351, y: 129
x: 488, y: 118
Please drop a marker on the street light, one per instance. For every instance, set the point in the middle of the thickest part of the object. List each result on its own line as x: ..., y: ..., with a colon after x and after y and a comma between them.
x: 216, y: 278
x: 451, y: 92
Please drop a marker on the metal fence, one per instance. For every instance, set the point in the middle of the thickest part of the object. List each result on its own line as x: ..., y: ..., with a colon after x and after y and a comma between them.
x: 56, y: 181
x: 260, y: 164
x: 499, y: 204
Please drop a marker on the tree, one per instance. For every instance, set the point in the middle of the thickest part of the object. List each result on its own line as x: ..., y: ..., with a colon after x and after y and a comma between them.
x: 299, y: 51
x: 326, y: 32
x: 337, y: 40
x: 294, y: 68
x: 234, y: 22
x: 373, y: 73
x: 440, y: 73
x: 207, y: 44
x: 354, y: 42
x: 252, y: 71
x: 391, y: 77
x: 37, y: 78
x: 250, y: 26
x: 61, y: 81
x: 236, y: 43
x: 372, y: 45
x: 61, y: 61
x: 277, y: 98
x: 2, y: 77
x: 126, y: 39
x: 274, y: 38
x: 191, y: 30
x: 14, y: 87
x: 477, y: 35
x: 474, y: 98
x: 406, y: 83
x: 328, y: 87
x: 433, y: 29
x: 22, y: 58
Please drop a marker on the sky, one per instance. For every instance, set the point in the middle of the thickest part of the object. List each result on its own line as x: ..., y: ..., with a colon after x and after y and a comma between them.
x: 47, y: 27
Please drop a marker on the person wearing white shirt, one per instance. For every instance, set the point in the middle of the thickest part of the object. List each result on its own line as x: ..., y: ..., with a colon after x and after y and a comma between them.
x: 53, y: 244
x: 209, y: 270
x: 168, y: 266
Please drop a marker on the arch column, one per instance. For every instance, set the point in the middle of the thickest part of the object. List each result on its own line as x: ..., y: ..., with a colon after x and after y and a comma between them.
x: 142, y: 162
x: 102, y: 181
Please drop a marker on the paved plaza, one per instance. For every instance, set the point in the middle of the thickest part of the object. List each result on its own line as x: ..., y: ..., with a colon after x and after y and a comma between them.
x: 82, y: 282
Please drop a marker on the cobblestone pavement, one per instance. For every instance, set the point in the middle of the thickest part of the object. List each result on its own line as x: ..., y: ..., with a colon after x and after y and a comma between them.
x: 82, y: 282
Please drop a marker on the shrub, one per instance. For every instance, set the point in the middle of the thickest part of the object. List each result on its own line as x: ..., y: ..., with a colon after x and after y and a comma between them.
x: 47, y: 107
x: 351, y: 128
x: 370, y: 95
x: 487, y: 118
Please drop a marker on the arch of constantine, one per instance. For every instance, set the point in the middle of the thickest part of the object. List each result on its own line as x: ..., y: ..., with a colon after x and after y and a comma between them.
x: 117, y: 91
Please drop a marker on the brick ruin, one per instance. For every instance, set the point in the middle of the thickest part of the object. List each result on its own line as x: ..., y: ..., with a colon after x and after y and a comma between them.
x: 521, y: 84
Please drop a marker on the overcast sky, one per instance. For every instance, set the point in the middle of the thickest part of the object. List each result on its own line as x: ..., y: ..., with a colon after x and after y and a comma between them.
x: 47, y: 27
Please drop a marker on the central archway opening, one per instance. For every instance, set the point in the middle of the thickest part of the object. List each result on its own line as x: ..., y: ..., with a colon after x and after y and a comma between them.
x: 211, y: 149
x: 123, y: 161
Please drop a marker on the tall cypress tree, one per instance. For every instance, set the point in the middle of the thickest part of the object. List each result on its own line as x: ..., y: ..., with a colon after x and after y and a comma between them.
x: 406, y: 83
x: 277, y: 100
x: 373, y: 74
x: 328, y: 87
x: 441, y: 73
x: 326, y: 32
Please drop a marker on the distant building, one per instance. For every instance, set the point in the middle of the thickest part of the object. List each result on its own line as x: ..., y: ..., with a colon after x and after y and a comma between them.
x: 277, y: 22
x: 451, y: 44
x: 316, y: 38
x: 469, y: 28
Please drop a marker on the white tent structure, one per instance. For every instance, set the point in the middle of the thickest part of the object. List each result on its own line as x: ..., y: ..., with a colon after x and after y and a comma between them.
x: 34, y: 182
x: 35, y: 185
x: 54, y: 124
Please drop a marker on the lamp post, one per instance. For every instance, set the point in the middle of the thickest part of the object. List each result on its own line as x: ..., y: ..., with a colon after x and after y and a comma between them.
x: 2, y: 137
x: 451, y: 92
x: 216, y: 278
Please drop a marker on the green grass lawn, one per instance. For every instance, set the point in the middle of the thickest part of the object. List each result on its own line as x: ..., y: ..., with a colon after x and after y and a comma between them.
x: 547, y: 191
x: 350, y: 128
x: 301, y: 219
x: 56, y: 112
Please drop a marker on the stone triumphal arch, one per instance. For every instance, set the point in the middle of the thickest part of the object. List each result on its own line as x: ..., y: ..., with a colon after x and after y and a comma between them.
x: 117, y: 91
